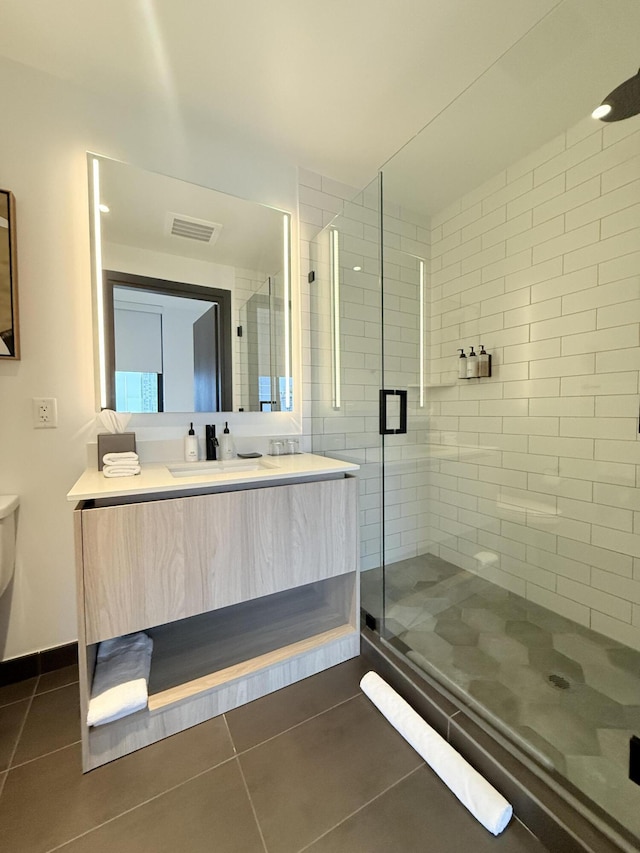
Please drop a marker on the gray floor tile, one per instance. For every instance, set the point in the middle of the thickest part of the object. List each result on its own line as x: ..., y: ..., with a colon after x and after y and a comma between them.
x: 58, y: 678
x: 20, y: 690
x: 308, y: 779
x: 421, y: 814
x: 209, y: 813
x: 257, y: 721
x: 39, y: 736
x: 601, y: 779
x: 12, y: 718
x: 49, y: 801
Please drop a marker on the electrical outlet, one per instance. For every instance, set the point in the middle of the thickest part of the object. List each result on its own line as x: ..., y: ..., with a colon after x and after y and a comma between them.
x: 45, y: 412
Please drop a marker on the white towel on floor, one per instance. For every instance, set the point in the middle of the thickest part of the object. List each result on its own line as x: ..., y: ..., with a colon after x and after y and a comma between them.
x: 120, y: 679
x: 474, y: 792
x: 128, y: 456
x: 120, y: 470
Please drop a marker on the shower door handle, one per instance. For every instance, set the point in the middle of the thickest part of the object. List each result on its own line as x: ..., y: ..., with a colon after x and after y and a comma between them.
x: 399, y: 416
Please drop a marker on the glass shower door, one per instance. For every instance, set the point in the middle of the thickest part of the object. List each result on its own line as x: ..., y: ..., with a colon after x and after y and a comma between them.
x: 344, y: 345
x: 403, y: 414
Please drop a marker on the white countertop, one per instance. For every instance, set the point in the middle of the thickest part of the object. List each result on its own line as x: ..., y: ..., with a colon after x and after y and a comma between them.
x: 156, y: 477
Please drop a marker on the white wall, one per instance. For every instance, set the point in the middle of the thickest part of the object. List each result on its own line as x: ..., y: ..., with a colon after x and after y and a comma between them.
x: 47, y: 129
x: 542, y: 265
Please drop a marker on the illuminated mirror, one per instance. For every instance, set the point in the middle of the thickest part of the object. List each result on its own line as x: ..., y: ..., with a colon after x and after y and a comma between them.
x: 193, y: 295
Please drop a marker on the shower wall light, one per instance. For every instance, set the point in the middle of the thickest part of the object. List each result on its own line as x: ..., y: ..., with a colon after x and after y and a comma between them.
x: 286, y: 253
x: 334, y: 243
x: 421, y: 269
x: 622, y: 103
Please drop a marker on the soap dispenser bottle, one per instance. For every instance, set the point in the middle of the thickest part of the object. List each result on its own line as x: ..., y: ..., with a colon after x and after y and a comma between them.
x: 190, y: 446
x: 484, y: 362
x: 462, y: 365
x: 472, y: 365
x: 226, y: 443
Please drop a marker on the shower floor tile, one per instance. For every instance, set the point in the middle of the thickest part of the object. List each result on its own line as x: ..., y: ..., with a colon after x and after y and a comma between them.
x: 571, y: 694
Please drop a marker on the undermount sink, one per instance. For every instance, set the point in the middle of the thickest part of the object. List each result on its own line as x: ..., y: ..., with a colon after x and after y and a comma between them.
x: 213, y: 468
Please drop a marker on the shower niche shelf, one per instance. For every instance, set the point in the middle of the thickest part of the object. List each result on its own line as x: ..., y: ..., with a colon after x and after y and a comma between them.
x: 243, y: 592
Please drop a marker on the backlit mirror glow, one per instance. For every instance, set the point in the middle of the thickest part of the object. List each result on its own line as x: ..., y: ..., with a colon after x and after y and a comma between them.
x: 200, y: 279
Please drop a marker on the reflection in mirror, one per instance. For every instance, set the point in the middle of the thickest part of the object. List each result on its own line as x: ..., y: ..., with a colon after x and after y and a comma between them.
x: 171, y: 345
x: 193, y: 293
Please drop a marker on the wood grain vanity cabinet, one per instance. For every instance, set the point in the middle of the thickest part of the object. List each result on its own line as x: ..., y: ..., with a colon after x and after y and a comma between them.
x: 242, y: 591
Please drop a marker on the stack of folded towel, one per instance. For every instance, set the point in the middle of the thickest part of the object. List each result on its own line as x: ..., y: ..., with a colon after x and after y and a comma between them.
x: 120, y: 464
x: 120, y: 681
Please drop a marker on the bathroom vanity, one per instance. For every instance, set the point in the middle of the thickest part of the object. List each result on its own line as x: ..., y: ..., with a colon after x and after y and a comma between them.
x: 245, y: 576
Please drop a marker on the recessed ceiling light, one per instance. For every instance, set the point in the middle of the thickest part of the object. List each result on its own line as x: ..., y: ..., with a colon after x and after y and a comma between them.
x: 357, y: 269
x: 103, y: 208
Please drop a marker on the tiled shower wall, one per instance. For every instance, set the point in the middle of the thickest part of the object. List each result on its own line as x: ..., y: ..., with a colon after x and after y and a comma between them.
x: 535, y: 471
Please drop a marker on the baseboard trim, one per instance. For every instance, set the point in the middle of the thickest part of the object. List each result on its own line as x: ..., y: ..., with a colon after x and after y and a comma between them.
x: 30, y: 666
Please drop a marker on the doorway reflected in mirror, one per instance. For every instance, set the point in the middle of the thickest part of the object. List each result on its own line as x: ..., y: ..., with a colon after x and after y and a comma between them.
x: 202, y: 260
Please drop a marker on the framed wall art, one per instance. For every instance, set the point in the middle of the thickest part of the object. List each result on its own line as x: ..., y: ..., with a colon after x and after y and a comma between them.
x: 9, y: 331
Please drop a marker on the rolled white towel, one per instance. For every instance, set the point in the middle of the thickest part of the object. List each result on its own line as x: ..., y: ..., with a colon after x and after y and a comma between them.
x: 120, y: 470
x: 474, y: 792
x: 120, y: 678
x: 127, y: 456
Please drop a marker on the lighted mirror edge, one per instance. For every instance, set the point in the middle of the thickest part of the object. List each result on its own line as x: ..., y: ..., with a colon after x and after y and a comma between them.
x: 97, y: 260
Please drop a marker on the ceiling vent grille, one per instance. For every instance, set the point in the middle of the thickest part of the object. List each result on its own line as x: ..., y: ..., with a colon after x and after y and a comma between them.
x: 192, y: 229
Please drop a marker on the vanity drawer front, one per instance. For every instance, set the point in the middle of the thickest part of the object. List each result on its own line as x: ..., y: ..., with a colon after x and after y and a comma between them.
x: 134, y: 567
x: 151, y: 563
x: 244, y: 545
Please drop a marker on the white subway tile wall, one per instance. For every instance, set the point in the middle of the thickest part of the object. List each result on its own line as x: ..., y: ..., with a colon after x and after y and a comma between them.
x: 541, y: 463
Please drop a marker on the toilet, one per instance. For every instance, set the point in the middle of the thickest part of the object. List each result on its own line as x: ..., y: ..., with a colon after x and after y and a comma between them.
x: 8, y: 507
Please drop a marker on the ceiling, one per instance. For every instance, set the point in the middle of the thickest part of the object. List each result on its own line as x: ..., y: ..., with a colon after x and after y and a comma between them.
x: 336, y: 86
x: 548, y: 83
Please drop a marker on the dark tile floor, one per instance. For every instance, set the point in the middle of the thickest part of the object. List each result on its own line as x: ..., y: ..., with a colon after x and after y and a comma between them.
x: 313, y: 767
x: 569, y: 693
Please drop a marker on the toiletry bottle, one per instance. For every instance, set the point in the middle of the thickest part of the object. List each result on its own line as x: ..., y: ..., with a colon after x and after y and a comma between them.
x: 226, y: 443
x: 211, y: 442
x: 190, y: 446
x: 472, y: 365
x: 484, y: 362
x: 462, y: 365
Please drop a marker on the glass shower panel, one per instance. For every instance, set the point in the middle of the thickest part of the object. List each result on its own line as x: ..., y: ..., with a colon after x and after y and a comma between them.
x: 345, y: 349
x: 510, y: 505
x: 405, y: 262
